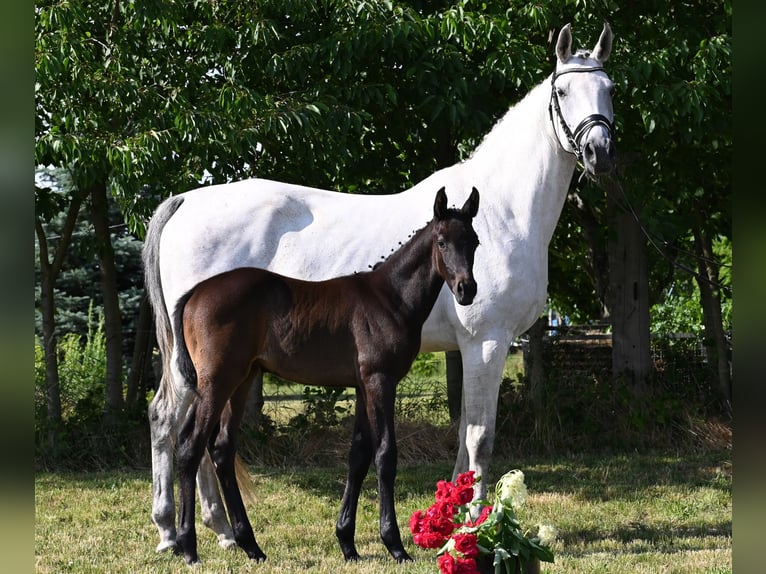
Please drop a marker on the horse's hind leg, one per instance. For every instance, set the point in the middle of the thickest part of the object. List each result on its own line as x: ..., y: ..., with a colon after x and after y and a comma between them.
x: 163, y: 415
x: 211, y: 504
x: 222, y: 449
x: 359, y: 459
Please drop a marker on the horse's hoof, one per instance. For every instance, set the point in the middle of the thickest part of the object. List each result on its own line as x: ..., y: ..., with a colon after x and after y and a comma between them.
x: 225, y: 542
x: 403, y: 557
x: 166, y: 545
x: 351, y: 556
x: 258, y: 556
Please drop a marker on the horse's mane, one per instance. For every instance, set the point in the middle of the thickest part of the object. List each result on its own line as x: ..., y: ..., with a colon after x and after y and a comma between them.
x: 523, y: 117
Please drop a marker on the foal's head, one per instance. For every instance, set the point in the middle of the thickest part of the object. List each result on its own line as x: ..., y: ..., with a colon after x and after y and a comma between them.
x: 456, y: 242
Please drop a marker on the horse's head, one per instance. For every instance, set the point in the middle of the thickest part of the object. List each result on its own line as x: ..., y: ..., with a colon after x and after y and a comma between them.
x: 454, y: 245
x: 581, y: 102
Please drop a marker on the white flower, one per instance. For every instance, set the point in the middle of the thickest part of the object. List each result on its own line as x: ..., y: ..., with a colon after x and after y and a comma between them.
x: 547, y: 534
x: 511, y: 488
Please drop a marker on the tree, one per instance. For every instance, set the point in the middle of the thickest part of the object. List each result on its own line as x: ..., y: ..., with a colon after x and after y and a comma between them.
x: 47, y: 203
x: 672, y: 66
x: 145, y: 100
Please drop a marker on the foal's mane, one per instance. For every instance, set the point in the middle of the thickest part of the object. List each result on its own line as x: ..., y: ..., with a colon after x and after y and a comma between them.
x: 417, y: 235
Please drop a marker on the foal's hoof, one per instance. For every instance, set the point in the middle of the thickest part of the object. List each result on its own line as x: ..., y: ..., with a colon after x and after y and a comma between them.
x: 402, y: 556
x: 258, y: 556
x: 351, y: 555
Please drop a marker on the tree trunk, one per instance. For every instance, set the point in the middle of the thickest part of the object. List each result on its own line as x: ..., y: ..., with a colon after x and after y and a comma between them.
x: 49, y: 271
x: 629, y: 298
x: 716, y: 348
x: 454, y: 361
x: 142, y: 352
x: 535, y: 371
x: 50, y: 344
x: 597, y: 263
x: 254, y: 404
x: 112, y: 320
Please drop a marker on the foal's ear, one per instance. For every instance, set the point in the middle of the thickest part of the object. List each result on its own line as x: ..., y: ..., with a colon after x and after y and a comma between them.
x: 471, y: 205
x: 440, y: 205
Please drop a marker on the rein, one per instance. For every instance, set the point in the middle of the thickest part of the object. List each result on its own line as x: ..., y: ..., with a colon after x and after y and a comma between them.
x: 585, y: 125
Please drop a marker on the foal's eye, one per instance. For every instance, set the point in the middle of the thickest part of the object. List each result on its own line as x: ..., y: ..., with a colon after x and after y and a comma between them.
x: 441, y: 244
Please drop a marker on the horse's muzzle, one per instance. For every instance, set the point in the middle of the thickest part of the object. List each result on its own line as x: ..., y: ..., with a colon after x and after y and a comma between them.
x: 598, y: 158
x: 465, y: 291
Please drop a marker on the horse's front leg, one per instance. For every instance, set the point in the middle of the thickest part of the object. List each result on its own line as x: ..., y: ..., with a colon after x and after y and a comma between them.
x: 483, y: 363
x: 381, y: 396
x: 359, y: 459
x: 211, y: 504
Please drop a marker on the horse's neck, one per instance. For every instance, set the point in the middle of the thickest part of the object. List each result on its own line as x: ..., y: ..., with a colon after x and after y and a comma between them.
x: 523, y: 169
x: 411, y: 275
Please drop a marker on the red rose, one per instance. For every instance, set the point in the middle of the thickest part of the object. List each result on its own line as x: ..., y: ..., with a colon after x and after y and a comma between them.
x: 447, y: 564
x: 444, y: 491
x: 441, y: 509
x: 467, y: 545
x: 466, y: 479
x: 416, y: 521
x: 465, y: 566
x: 463, y: 495
x: 429, y: 539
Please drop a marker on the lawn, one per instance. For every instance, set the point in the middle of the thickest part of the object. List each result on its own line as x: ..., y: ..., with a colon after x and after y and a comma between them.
x: 659, y: 512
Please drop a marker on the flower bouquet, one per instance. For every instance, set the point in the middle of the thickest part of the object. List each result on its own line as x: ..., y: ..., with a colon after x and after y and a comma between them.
x: 494, y: 541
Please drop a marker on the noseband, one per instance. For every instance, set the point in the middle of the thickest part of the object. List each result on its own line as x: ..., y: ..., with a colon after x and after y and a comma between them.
x: 585, y: 125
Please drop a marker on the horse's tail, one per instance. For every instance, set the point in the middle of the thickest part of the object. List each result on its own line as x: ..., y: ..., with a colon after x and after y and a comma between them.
x: 184, y: 362
x: 244, y: 481
x: 153, y: 284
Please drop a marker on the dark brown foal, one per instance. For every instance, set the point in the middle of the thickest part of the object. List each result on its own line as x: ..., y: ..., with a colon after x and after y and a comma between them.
x: 361, y: 331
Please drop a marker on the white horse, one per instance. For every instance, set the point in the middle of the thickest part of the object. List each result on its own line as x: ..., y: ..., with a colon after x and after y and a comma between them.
x: 522, y: 168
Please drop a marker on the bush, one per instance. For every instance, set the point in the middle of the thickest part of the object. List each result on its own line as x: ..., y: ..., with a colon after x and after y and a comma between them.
x: 84, y: 439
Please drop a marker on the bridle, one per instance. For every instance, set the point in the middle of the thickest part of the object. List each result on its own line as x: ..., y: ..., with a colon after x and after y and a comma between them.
x: 585, y: 125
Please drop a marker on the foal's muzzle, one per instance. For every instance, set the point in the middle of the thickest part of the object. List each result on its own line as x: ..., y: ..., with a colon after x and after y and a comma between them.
x: 465, y: 291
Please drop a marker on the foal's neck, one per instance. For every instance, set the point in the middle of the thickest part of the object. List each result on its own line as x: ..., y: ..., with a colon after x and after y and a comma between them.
x: 411, y: 275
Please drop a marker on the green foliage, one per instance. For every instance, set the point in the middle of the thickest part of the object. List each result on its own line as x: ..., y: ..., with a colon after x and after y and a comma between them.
x: 321, y: 408
x: 84, y: 440
x: 82, y: 375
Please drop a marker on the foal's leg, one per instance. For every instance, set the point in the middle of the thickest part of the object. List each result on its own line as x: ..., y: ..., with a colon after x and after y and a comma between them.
x: 359, y: 459
x: 192, y: 440
x: 381, y: 396
x: 211, y: 503
x: 223, y: 452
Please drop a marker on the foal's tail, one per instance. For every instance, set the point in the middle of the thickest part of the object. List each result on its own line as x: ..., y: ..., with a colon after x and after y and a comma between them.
x: 153, y: 284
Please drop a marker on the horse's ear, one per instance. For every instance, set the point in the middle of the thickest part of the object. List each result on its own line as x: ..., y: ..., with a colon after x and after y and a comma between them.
x: 440, y: 205
x: 471, y: 206
x: 604, y: 46
x: 564, y: 44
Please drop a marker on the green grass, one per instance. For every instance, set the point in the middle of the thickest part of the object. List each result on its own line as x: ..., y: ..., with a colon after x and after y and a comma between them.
x: 616, y: 514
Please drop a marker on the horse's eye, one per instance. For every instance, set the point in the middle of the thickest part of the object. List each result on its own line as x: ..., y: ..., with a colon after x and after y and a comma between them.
x: 560, y: 92
x: 611, y: 91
